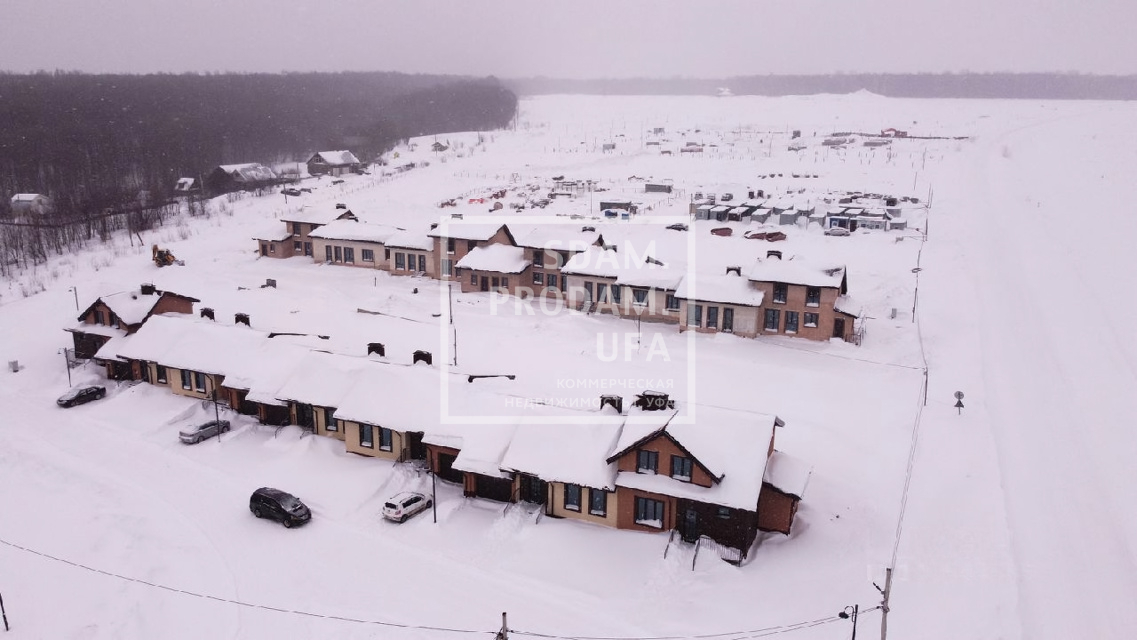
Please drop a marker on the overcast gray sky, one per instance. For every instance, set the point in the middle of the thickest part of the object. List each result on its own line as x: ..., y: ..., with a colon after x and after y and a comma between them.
x: 570, y: 38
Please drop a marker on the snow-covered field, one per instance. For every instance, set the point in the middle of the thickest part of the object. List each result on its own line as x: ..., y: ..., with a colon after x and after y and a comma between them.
x: 1019, y: 519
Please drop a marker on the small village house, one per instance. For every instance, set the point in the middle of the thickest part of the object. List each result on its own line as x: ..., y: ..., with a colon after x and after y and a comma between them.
x: 803, y: 299
x: 411, y: 253
x: 548, y: 248
x: 30, y: 206
x: 496, y: 267
x: 294, y: 238
x: 727, y: 303
x: 350, y: 242
x: 455, y: 238
x: 333, y: 163
x: 247, y: 176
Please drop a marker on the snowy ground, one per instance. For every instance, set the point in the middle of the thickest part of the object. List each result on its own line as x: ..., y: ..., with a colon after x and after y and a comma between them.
x: 1018, y: 523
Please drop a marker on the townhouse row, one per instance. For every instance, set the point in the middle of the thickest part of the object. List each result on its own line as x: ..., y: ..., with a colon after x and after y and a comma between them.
x: 572, y: 265
x: 652, y: 466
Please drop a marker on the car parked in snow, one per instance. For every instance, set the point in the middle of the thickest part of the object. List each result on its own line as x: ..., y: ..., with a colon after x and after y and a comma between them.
x: 81, y: 395
x: 837, y: 231
x: 278, y: 505
x: 404, y: 505
x: 203, y: 431
x: 290, y: 192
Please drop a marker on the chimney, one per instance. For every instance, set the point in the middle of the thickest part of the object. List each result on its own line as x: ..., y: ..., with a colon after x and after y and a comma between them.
x: 422, y: 356
x: 654, y: 401
x: 616, y: 402
x: 774, y: 253
x: 760, y: 193
x: 270, y: 282
x: 149, y: 289
x: 586, y: 229
x: 376, y: 348
x: 750, y: 194
x: 735, y: 270
x: 241, y: 318
x: 207, y: 312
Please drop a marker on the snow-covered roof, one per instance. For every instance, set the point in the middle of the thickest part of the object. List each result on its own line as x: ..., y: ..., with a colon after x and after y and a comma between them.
x: 131, y: 307
x: 322, y: 379
x: 559, y: 238
x: 349, y: 229
x: 499, y: 258
x: 732, y: 445
x: 411, y: 239
x: 98, y: 330
x: 27, y: 197
x: 787, y: 474
x: 312, y: 215
x: 796, y: 270
x: 728, y: 289
x: 409, y: 402
x: 462, y: 231
x: 275, y: 232
x: 575, y: 454
x: 249, y: 172
x: 848, y: 305
x: 337, y: 157
x: 626, y: 268
x: 185, y: 342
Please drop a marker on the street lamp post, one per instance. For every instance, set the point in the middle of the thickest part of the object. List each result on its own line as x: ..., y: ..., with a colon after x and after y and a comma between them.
x: 75, y: 290
x: 850, y: 613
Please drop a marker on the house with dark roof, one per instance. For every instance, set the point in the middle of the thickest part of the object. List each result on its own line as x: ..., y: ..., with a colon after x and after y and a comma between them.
x: 240, y: 177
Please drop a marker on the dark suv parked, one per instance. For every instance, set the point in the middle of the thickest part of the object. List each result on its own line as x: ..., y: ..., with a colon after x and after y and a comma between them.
x: 280, y: 506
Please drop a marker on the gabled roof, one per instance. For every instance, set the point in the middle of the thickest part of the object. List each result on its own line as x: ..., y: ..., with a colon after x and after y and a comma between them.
x: 352, y: 229
x: 795, y: 270
x: 249, y: 172
x: 335, y: 158
x: 574, y: 454
x: 132, y: 307
x: 787, y: 474
x: 322, y: 379
x: 560, y: 238
x: 312, y: 215
x: 474, y: 231
x: 498, y: 258
x: 627, y: 269
x: 411, y: 239
x: 27, y: 197
x: 275, y: 232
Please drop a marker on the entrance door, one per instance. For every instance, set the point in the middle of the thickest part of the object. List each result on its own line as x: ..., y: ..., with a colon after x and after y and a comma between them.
x: 485, y: 284
x: 727, y: 319
x: 264, y: 249
x: 839, y: 328
x: 145, y: 371
x: 422, y: 264
x: 689, y: 525
x: 533, y: 489
x: 308, y: 249
x: 500, y: 489
x: 446, y: 469
x: 304, y: 416
x: 417, y: 448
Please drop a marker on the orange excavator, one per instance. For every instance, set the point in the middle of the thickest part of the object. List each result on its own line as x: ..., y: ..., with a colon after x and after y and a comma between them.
x: 164, y: 257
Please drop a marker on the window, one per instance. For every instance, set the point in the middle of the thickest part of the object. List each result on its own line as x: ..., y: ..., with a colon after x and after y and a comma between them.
x: 400, y: 261
x: 297, y: 246
x: 572, y: 497
x: 447, y: 267
x: 552, y: 280
x: 810, y: 319
x: 297, y: 228
x: 272, y: 247
x: 813, y: 296
x: 588, y: 290
x: 161, y: 373
x: 728, y: 319
x: 367, y: 255
x: 791, y: 322
x: 780, y: 292
x: 672, y: 302
x: 473, y: 278
x: 773, y: 319
x: 450, y: 245
x: 639, y: 296
x: 349, y: 254
x: 386, y: 253
x: 647, y: 461
x: 724, y: 513
x: 365, y: 436
x: 471, y: 245
x: 598, y: 502
x: 505, y: 283
x: 339, y: 254
x: 187, y: 379
x: 695, y: 315
x: 649, y: 512
x: 422, y: 263
x: 681, y: 468
x: 538, y: 277
x: 199, y: 381
x: 601, y: 292
x: 712, y: 317
x: 616, y: 293
x: 538, y: 258
x: 99, y: 317
x: 330, y: 419
x: 562, y: 258
x: 384, y: 439
x: 494, y: 282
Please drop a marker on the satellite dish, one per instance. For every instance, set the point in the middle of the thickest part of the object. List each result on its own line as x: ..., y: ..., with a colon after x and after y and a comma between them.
x: 959, y: 395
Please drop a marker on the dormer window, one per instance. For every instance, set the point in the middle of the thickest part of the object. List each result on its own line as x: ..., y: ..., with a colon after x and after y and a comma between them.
x: 647, y: 461
x: 681, y: 468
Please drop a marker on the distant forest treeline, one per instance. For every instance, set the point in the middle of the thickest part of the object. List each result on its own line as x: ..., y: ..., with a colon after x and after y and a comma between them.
x: 1043, y: 86
x: 92, y: 142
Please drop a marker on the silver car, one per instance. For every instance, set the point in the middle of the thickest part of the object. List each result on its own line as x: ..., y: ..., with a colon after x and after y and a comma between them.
x: 203, y: 431
x: 404, y: 505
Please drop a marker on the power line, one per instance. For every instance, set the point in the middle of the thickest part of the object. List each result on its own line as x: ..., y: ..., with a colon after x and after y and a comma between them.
x: 726, y: 635
x: 240, y: 603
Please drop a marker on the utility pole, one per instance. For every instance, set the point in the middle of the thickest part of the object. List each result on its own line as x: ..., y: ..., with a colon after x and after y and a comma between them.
x: 504, y: 633
x: 850, y: 613
x: 453, y: 329
x: 75, y: 290
x: 434, y: 495
x: 886, y: 591
x: 4, y: 613
x: 67, y: 366
x: 216, y: 411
